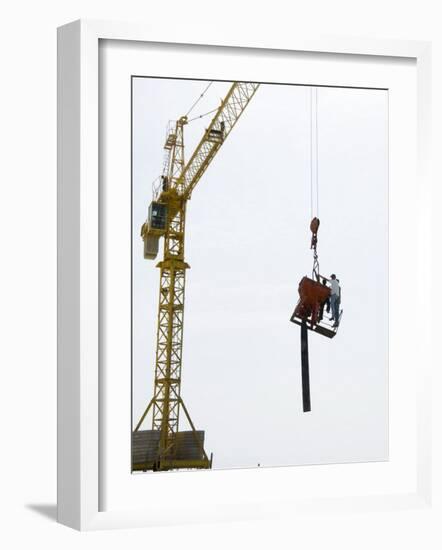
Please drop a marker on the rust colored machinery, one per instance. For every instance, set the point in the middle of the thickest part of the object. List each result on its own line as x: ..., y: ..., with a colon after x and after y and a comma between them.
x: 312, y: 298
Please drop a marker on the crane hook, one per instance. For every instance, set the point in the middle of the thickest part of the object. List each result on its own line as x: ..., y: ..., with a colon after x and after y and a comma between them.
x: 314, y: 227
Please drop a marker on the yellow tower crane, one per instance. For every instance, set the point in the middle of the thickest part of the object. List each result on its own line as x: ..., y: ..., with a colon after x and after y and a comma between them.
x: 164, y: 447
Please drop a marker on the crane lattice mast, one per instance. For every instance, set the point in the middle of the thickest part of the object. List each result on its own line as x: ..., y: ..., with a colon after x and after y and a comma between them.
x: 165, y: 447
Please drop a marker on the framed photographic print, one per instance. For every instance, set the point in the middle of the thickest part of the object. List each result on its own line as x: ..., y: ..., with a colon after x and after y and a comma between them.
x: 235, y: 248
x: 248, y: 242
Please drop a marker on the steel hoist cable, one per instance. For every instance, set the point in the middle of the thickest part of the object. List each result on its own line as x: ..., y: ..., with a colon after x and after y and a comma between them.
x: 199, y: 99
x: 311, y: 153
x: 314, y: 177
x: 314, y: 154
x: 317, y: 154
x: 203, y: 115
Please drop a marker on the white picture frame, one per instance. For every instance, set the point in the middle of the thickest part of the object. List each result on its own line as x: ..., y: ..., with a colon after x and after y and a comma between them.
x: 79, y: 277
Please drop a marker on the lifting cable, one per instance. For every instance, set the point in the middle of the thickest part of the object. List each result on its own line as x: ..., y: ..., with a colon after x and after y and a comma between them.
x: 314, y: 154
x: 199, y: 99
x: 314, y: 177
x: 311, y: 153
x: 196, y: 102
x: 203, y: 115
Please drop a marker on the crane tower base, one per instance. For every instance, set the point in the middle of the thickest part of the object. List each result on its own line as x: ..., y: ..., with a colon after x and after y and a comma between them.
x: 188, y: 451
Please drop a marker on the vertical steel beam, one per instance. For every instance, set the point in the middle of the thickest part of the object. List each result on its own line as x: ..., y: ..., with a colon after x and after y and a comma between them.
x: 305, y: 368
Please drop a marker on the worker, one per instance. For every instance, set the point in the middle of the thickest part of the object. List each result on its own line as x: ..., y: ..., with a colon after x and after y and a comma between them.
x: 165, y: 181
x: 325, y: 304
x: 334, y: 299
x: 339, y: 299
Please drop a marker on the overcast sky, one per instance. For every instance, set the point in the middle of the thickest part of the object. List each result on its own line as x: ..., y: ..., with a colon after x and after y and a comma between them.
x: 247, y: 242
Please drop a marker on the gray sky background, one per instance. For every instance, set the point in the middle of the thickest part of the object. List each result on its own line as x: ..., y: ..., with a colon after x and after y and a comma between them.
x: 248, y: 246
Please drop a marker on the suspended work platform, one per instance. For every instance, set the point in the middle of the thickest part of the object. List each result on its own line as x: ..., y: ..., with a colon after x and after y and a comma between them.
x: 323, y: 328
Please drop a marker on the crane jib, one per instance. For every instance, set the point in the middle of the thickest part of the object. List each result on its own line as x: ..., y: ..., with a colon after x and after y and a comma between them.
x: 227, y: 115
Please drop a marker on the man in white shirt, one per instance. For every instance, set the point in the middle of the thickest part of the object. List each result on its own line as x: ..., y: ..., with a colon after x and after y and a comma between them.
x: 334, y: 299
